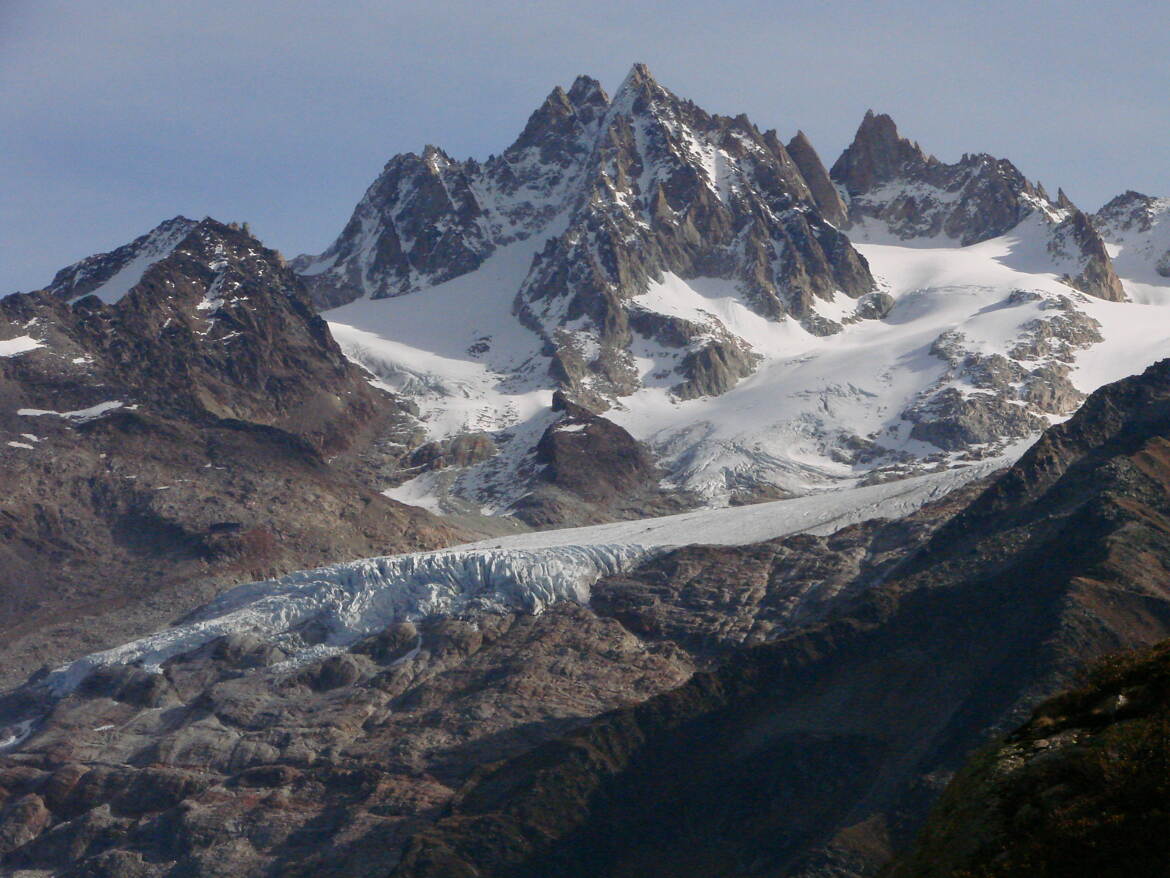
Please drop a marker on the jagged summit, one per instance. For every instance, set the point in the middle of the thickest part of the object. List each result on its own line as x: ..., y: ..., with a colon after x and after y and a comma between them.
x: 820, y: 185
x: 1137, y: 226
x: 892, y: 183
x: 622, y: 192
x: 636, y: 253
x: 639, y: 79
x: 892, y: 179
x: 878, y: 154
x: 420, y: 224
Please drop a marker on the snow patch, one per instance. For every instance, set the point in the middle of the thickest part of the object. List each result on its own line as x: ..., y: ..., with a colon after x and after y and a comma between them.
x: 80, y: 416
x: 16, y: 734
x: 21, y: 344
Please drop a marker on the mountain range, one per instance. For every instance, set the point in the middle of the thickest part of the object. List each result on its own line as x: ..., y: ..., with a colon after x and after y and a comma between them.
x: 649, y: 497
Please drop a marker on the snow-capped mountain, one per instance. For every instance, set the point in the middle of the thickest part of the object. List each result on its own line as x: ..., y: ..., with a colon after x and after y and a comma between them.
x: 637, y: 310
x: 1136, y: 230
x: 762, y: 326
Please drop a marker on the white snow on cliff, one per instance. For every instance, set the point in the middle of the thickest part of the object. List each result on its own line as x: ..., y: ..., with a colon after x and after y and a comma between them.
x: 136, y: 258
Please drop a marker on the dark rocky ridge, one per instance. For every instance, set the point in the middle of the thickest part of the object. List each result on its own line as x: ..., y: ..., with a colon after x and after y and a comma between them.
x: 815, y: 754
x: 233, y: 399
x: 92, y: 272
x: 592, y: 471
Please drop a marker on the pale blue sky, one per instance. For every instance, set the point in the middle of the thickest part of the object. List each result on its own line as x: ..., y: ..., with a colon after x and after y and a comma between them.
x: 116, y: 114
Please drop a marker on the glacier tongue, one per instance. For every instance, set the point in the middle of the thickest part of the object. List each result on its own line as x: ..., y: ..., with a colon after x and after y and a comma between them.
x: 526, y: 572
x: 348, y: 601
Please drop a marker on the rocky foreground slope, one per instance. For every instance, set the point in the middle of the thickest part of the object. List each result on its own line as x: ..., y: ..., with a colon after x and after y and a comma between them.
x: 1081, y: 789
x: 307, y: 743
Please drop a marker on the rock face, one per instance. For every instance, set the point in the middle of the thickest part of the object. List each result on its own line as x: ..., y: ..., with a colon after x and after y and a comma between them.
x: 592, y: 471
x: 429, y: 218
x: 983, y: 398
x: 823, y: 190
x: 158, y: 431
x: 834, y: 739
x: 1080, y: 789
x: 675, y: 189
x: 893, y: 181
x: 889, y: 178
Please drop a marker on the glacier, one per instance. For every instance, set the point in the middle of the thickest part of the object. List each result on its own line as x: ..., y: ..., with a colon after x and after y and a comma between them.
x: 341, y: 603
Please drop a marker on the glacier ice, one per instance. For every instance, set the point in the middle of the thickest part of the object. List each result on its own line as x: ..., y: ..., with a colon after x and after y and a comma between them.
x: 348, y: 601
x: 525, y: 572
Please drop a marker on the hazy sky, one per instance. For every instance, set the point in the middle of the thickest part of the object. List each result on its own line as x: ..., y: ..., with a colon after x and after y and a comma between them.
x: 116, y: 114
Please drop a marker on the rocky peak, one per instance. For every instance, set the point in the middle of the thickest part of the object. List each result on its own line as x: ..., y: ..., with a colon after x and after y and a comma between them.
x: 1139, y: 226
x: 824, y: 193
x: 914, y: 195
x: 218, y: 327
x: 878, y: 154
x: 111, y: 275
x: 891, y: 179
x: 672, y: 188
x: 639, y: 85
x: 645, y: 183
x: 587, y: 92
x: 562, y: 116
x: 1129, y: 211
x: 1091, y: 270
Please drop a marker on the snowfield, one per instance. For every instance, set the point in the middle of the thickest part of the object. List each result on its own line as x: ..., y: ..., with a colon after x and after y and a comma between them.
x: 459, y: 352
x: 526, y: 572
